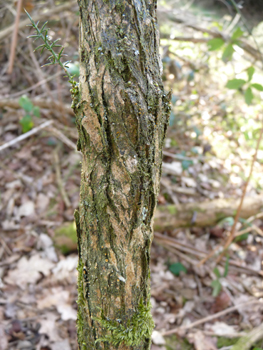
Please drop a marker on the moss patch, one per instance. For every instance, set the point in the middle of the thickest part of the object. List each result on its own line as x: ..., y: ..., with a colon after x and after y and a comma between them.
x: 222, y: 342
x: 175, y: 343
x: 65, y: 238
x: 172, y: 209
x: 132, y: 333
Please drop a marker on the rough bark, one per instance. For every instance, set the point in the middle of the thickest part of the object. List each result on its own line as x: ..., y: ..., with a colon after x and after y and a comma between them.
x: 121, y: 114
x: 206, y: 213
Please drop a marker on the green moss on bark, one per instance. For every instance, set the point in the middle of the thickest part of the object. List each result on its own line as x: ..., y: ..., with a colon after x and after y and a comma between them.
x: 133, y: 332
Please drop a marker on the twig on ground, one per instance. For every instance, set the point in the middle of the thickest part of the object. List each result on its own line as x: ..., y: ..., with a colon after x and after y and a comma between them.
x: 59, y: 180
x: 5, y: 246
x: 171, y: 242
x: 170, y: 192
x: 37, y: 17
x: 14, y: 38
x: 62, y: 137
x: 21, y: 92
x: 26, y: 135
x: 248, y: 229
x: 211, y: 317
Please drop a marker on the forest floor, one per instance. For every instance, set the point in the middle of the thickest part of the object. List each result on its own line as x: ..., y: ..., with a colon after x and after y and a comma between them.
x: 208, y: 153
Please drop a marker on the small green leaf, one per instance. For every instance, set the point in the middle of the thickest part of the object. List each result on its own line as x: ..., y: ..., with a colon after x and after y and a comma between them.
x: 241, y: 237
x: 43, y: 27
x: 228, y: 53
x: 186, y: 164
x: 228, y: 221
x: 250, y: 72
x: 27, y: 123
x: 256, y: 86
x: 215, y: 44
x: 33, y: 36
x: 237, y: 33
x: 216, y: 287
x: 226, y: 267
x: 73, y: 68
x: 249, y: 95
x: 60, y: 53
x: 25, y: 103
x: 36, y: 111
x: 40, y: 47
x: 176, y: 268
x: 216, y: 272
x: 235, y: 84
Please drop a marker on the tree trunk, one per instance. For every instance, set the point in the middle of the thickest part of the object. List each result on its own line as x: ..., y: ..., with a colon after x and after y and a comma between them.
x: 121, y: 115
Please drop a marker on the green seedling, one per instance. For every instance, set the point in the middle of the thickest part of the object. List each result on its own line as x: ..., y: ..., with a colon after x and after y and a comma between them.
x: 176, y: 268
x: 216, y: 283
x: 30, y: 111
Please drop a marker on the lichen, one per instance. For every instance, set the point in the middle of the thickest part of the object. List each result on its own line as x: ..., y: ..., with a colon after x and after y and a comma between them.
x: 131, y: 333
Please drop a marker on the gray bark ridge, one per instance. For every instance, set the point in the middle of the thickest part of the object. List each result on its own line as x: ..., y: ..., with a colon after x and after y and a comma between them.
x: 122, y: 116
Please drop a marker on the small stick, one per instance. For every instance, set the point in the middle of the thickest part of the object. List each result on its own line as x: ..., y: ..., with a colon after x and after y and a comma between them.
x: 62, y: 137
x: 26, y: 135
x: 14, y: 38
x: 211, y: 317
x: 59, y: 180
x: 232, y: 232
x: 21, y: 92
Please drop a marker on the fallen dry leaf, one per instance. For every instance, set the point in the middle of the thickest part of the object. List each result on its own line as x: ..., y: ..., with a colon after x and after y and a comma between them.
x: 26, y: 209
x: 157, y: 338
x: 202, y: 342
x: 49, y: 327
x: 59, y: 298
x: 29, y: 271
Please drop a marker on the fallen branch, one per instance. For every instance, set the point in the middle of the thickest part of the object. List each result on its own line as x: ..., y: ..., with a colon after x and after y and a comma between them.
x: 206, y: 213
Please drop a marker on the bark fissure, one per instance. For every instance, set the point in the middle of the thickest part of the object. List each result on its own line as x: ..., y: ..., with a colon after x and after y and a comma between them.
x: 121, y: 117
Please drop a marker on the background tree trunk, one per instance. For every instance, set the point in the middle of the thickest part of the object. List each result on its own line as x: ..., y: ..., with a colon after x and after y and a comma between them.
x: 122, y: 115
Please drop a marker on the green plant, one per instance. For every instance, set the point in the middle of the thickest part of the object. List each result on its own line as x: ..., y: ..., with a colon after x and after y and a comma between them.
x: 227, y: 47
x: 30, y: 111
x: 245, y: 85
x: 54, y: 58
x: 176, y: 268
x: 216, y: 283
